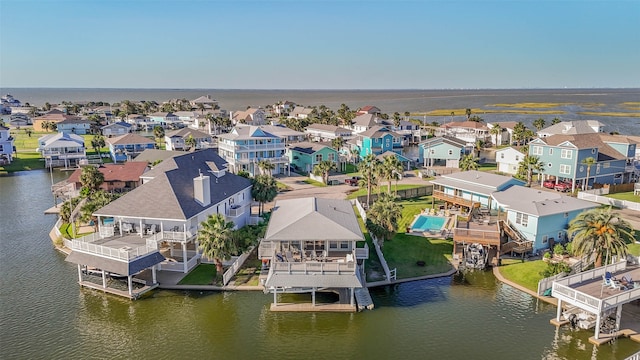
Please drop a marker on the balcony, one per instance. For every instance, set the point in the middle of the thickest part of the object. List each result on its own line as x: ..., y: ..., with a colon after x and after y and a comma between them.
x: 235, y: 211
x: 274, y: 160
x: 457, y: 200
x: 246, y: 148
x: 126, y: 248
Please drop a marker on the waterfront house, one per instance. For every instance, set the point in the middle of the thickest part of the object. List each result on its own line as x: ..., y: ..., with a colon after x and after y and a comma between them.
x: 300, y: 112
x: 164, y: 119
x: 283, y: 107
x: 251, y: 116
x: 19, y: 120
x: 128, y: 146
x: 468, y: 131
x: 139, y: 121
x: 574, y: 127
x: 562, y: 156
x: 53, y: 116
x: 325, y: 132
x: 175, y: 140
x: 142, y: 229
x: 6, y: 146
x: 377, y: 140
x: 538, y: 216
x: 505, y: 136
x: 442, y: 150
x: 286, y: 134
x: 62, y: 149
x: 117, y: 178
x: 369, y: 109
x: 245, y: 146
x: 188, y: 118
x: 74, y: 126
x: 206, y: 100
x: 304, y: 156
x: 311, y: 245
x: 508, y: 160
x: 363, y: 123
x: 116, y: 129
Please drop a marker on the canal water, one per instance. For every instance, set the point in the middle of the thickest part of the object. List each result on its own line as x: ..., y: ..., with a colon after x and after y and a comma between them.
x: 45, y: 315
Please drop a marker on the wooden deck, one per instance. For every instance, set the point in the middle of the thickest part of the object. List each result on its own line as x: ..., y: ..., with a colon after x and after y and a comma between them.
x: 483, y: 233
x: 595, y: 287
x: 136, y: 293
x: 308, y: 307
x: 457, y: 200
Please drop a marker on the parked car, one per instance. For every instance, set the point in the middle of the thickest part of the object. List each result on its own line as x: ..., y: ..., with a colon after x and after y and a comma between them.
x: 353, y: 181
x: 563, y: 186
x: 549, y: 184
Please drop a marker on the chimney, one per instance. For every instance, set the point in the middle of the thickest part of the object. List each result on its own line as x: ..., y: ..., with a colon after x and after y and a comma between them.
x: 202, y: 190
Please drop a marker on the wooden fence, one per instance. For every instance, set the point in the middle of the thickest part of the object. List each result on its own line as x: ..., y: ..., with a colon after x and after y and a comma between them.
x: 402, y: 194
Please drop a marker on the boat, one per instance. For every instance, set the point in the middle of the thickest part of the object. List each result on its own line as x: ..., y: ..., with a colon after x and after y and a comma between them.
x: 476, y: 256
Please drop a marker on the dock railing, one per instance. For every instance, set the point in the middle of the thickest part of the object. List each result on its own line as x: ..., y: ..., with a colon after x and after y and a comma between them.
x: 86, y: 244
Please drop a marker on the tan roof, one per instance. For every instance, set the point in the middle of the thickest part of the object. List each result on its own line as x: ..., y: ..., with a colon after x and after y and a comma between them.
x: 129, y: 171
x: 185, y: 132
x: 466, y: 124
x: 592, y: 140
x: 130, y: 139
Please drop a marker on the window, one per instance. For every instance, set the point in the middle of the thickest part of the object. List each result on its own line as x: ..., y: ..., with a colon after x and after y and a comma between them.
x: 333, y: 244
x: 593, y: 151
x: 537, y: 150
x: 318, y: 157
x: 549, y: 165
x: 545, y: 239
x: 450, y: 152
x: 566, y: 154
x: 550, y: 151
x: 522, y: 219
x: 565, y: 169
x: 566, y: 215
x: 332, y: 157
x: 502, y: 156
x: 344, y: 245
x: 598, y: 169
x: 517, y: 158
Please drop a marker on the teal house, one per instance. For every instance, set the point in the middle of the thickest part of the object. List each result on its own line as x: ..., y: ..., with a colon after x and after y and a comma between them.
x: 471, y: 188
x: 442, y: 151
x: 378, y: 140
x: 563, y: 156
x: 304, y: 156
x: 540, y: 217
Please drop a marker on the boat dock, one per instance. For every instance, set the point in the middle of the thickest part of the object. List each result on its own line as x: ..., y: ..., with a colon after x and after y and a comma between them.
x: 363, y: 299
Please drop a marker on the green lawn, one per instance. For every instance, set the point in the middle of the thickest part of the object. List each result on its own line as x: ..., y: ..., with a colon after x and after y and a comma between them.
x: 628, y: 196
x: 488, y: 167
x: 249, y: 273
x: 203, y: 274
x: 403, y: 251
x: 351, y: 169
x: 24, y: 161
x: 282, y: 186
x: 412, y: 207
x: 634, y: 249
x: 373, y: 268
x: 525, y: 273
x: 383, y: 188
x: 314, y: 183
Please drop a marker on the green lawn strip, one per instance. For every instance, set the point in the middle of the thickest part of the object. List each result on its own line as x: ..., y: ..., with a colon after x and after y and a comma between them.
x: 282, y: 186
x: 628, y: 196
x: 24, y: 161
x: 404, y: 251
x: 525, y: 273
x: 488, y: 167
x: 203, y: 274
x: 249, y: 273
x: 314, y: 183
x: 383, y: 188
x: 372, y: 266
x: 351, y: 169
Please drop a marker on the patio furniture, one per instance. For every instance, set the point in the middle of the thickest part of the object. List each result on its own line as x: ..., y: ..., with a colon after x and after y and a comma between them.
x: 289, y: 256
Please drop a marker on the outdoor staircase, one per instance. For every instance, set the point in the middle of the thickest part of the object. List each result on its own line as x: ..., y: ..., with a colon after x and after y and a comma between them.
x: 518, y: 242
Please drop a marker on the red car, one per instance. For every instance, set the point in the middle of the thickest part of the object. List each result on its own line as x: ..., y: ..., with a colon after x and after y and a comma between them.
x: 549, y: 184
x: 563, y: 186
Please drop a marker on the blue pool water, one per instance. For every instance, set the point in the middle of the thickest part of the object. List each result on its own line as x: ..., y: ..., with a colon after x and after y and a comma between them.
x: 427, y: 223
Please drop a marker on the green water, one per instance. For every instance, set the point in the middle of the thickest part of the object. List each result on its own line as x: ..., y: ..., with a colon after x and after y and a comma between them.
x: 45, y: 315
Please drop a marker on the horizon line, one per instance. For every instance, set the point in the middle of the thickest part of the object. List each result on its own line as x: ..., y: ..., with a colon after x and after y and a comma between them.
x: 320, y: 89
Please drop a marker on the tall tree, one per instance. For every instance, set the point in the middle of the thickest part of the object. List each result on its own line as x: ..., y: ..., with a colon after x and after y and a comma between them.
x: 555, y: 121
x: 539, y: 123
x: 323, y: 168
x: 190, y: 142
x: 265, y: 189
x: 396, y: 120
x: 337, y: 143
x: 406, y: 115
x: 158, y: 133
x: 496, y: 130
x: 528, y: 165
x: 215, y: 240
x: 97, y: 142
x: 91, y: 178
x: 368, y: 167
x: 469, y: 162
x: 390, y: 169
x: 383, y: 217
x: 601, y: 232
x: 588, y: 162
x: 266, y: 167
x: 467, y: 112
x: 519, y: 132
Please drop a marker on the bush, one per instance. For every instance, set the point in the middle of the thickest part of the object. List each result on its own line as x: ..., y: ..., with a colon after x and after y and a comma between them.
x: 558, y: 249
x: 569, y: 248
x: 547, y: 255
x: 555, y: 268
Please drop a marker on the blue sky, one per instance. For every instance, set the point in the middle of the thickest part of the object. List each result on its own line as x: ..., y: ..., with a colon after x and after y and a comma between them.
x: 307, y: 44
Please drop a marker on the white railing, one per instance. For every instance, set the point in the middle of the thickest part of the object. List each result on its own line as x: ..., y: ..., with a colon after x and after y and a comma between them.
x: 275, y: 160
x: 577, y: 298
x: 624, y: 204
x: 635, y: 356
x: 593, y: 273
x: 123, y: 253
x: 233, y: 269
x: 361, y: 210
x: 383, y: 261
x: 362, y: 253
x: 266, y: 249
x: 173, y: 236
x: 171, y: 266
x: 233, y: 212
x: 191, y: 263
x: 313, y: 267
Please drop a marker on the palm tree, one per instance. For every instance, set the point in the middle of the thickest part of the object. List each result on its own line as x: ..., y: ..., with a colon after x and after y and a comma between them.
x: 467, y: 111
x: 555, y: 121
x: 97, y: 142
x: 589, y: 162
x: 368, y: 168
x: 496, y: 130
x: 201, y: 107
x: 266, y: 167
x: 601, y: 232
x: 355, y: 155
x: 91, y: 178
x: 539, y: 124
x: 390, y: 169
x: 323, y: 168
x: 215, y: 240
x: 191, y: 142
x: 337, y: 143
x: 265, y: 189
x: 383, y: 217
x: 469, y: 162
x: 528, y: 165
x: 519, y: 132
x: 158, y: 133
x: 396, y: 120
x: 406, y: 115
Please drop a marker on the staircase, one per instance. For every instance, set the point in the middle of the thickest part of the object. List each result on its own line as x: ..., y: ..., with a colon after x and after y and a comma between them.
x: 518, y: 242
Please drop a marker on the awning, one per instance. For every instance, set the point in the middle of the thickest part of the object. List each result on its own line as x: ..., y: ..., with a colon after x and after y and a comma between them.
x: 313, y: 280
x: 115, y: 265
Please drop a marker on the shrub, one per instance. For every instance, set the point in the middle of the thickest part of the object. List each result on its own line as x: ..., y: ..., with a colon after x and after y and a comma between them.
x: 558, y: 249
x: 555, y: 268
x: 569, y: 248
x: 547, y: 255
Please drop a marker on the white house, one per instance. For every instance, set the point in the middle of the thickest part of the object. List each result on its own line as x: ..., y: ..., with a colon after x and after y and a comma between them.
x: 325, y: 132
x: 175, y: 140
x: 508, y: 160
x: 300, y: 112
x: 364, y: 122
x: 251, y: 116
x: 245, y: 146
x: 62, y: 149
x: 116, y: 129
x: 6, y: 146
x: 574, y: 127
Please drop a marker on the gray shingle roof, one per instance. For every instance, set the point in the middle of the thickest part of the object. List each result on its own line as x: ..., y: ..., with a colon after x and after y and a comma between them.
x: 185, y: 132
x: 169, y: 195
x: 308, y: 147
x: 539, y: 203
x: 480, y: 182
x: 314, y: 219
x: 130, y: 139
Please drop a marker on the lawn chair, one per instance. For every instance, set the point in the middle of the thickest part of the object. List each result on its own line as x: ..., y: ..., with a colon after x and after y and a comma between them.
x: 615, y: 285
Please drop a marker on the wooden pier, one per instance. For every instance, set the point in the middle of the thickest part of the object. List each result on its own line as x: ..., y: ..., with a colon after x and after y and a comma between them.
x: 363, y: 299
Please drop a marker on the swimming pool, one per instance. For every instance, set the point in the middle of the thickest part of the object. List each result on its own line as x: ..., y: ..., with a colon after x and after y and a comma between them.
x: 428, y: 223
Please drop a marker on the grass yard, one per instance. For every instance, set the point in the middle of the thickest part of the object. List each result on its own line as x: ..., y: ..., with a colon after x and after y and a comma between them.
x: 314, y: 183
x: 249, y: 273
x: 203, y: 274
x: 411, y: 208
x: 373, y: 268
x: 22, y: 162
x: 628, y: 196
x: 488, y: 167
x: 282, y: 186
x: 525, y: 273
x: 383, y: 188
x: 403, y: 251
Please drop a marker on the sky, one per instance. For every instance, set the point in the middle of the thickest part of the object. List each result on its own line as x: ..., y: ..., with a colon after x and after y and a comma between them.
x: 307, y: 44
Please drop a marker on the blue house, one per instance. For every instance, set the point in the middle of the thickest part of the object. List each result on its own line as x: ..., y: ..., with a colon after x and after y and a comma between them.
x: 74, y: 126
x: 563, y: 156
x: 127, y: 147
x: 541, y: 217
x: 245, y: 146
x: 378, y: 140
x: 471, y: 189
x: 442, y: 150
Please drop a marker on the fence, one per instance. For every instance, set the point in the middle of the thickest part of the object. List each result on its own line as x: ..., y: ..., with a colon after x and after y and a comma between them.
x: 623, y: 204
x: 233, y: 269
x: 402, y: 194
x: 361, y: 210
x: 383, y: 262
